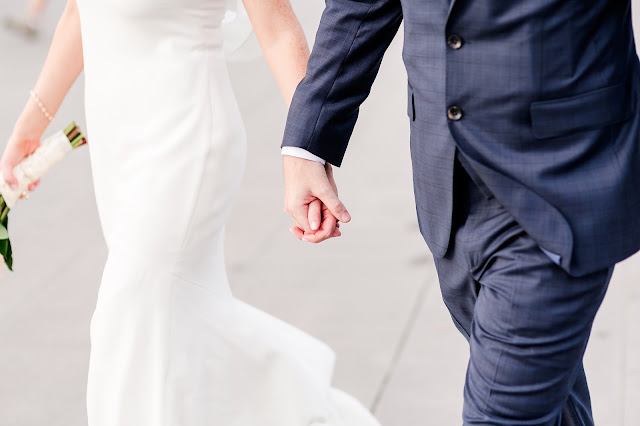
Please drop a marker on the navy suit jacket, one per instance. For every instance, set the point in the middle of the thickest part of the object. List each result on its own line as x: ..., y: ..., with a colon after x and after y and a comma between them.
x: 539, y: 98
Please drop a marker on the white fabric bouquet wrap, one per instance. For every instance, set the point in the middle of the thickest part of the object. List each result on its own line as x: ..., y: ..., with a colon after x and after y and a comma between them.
x: 50, y: 152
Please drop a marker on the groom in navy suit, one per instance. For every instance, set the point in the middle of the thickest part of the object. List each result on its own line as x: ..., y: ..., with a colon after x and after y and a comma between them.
x: 525, y: 130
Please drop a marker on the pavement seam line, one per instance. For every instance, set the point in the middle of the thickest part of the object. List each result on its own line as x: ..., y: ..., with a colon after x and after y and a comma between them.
x: 402, y: 344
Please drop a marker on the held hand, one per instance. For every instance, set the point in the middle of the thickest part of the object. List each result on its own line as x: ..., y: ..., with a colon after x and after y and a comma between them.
x: 311, y: 199
x: 19, y: 147
x: 329, y: 226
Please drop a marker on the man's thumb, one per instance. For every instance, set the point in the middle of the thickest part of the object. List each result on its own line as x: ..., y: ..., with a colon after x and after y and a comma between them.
x: 335, y: 206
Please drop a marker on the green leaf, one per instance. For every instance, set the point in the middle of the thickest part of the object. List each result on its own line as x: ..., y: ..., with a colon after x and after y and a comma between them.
x: 4, y: 234
x: 5, y: 245
x: 7, y: 254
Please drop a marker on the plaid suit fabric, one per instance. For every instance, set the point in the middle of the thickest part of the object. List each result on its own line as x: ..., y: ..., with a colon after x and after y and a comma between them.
x: 548, y: 93
x: 536, y: 103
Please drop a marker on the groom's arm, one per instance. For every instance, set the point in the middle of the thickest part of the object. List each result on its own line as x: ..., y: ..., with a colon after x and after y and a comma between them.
x: 350, y: 43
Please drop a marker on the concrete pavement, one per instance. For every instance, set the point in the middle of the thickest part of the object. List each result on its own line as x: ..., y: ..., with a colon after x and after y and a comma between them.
x: 372, y: 294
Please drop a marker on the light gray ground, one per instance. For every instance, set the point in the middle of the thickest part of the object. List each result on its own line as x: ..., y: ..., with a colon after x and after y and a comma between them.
x: 372, y: 294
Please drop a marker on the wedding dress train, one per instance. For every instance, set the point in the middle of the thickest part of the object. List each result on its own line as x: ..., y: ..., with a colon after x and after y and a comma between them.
x: 170, y: 345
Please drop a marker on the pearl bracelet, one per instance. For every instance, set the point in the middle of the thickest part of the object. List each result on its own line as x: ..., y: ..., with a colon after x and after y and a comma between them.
x: 43, y: 108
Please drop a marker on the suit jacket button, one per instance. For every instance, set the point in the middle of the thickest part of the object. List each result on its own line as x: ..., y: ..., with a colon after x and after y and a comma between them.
x: 454, y: 41
x: 454, y: 113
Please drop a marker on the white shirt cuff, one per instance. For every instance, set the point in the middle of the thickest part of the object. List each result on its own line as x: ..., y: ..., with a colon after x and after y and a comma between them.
x: 294, y: 151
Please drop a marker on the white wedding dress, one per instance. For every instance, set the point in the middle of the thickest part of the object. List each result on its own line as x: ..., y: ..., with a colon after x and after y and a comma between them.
x: 170, y: 345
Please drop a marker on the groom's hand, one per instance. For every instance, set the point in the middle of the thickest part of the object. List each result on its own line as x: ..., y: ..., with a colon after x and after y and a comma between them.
x: 311, y: 199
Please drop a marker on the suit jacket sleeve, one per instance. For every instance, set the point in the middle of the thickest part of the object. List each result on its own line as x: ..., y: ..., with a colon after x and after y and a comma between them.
x: 350, y: 43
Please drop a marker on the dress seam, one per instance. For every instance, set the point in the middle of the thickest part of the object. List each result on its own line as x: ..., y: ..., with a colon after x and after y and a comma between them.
x: 205, y: 157
x: 187, y: 232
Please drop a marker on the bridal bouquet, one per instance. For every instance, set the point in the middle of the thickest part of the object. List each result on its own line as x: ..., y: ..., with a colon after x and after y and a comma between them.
x: 29, y: 170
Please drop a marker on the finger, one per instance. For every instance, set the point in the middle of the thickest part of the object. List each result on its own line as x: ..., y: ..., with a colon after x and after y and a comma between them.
x: 335, y: 206
x: 316, y: 239
x: 315, y: 214
x: 297, y: 232
x: 329, y: 223
x: 325, y: 231
x: 34, y: 185
x: 296, y: 224
x: 7, y: 174
x: 300, y: 216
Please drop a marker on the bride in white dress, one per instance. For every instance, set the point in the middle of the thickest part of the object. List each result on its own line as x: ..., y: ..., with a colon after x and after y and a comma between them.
x: 170, y: 345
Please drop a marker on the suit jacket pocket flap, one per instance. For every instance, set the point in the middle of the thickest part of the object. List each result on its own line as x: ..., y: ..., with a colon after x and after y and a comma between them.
x: 590, y: 110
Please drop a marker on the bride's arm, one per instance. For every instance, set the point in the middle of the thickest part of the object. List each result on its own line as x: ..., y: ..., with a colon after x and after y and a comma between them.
x: 282, y: 40
x: 61, y: 68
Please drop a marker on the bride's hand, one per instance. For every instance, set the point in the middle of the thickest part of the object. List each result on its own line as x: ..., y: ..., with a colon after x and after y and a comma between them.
x: 311, y: 197
x: 63, y: 65
x: 20, y: 145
